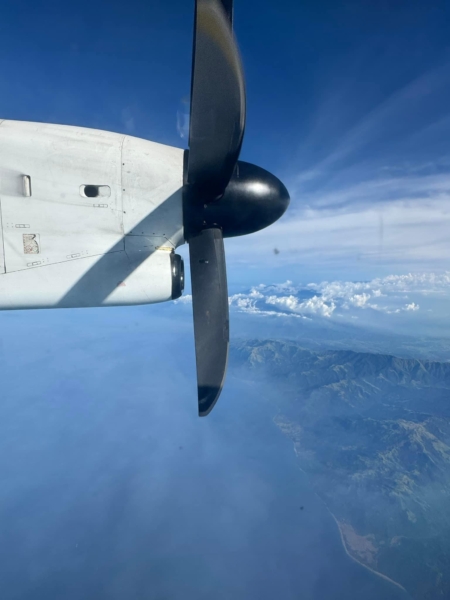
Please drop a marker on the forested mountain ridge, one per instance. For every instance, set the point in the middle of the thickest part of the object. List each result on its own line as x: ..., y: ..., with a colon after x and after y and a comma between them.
x: 372, y: 432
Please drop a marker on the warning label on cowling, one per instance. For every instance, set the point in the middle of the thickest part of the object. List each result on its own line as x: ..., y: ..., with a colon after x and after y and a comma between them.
x: 31, y: 243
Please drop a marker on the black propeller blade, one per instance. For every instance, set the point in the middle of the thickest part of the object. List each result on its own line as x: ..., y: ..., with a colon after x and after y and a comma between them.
x: 222, y: 197
x: 211, y: 324
x: 217, y: 124
x: 217, y: 118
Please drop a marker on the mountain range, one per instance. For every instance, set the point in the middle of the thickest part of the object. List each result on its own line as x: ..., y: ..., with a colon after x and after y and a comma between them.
x: 372, y: 432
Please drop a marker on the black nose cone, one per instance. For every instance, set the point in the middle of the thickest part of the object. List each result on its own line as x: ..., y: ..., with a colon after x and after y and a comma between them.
x: 253, y: 199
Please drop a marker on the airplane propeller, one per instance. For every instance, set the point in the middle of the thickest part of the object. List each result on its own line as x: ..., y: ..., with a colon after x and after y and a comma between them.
x: 222, y: 196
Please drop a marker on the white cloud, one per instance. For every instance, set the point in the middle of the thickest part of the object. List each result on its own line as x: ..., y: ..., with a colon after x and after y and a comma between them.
x: 410, y: 303
x: 359, y: 300
x: 412, y: 306
x: 405, y: 233
x: 387, y: 295
x: 315, y: 305
x: 187, y: 299
x: 328, y: 299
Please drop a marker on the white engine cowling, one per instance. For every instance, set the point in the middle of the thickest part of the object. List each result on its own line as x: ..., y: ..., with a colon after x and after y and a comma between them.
x: 88, y: 218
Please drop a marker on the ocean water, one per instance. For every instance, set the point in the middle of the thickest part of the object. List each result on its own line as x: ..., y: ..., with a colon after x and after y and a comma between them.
x: 111, y: 486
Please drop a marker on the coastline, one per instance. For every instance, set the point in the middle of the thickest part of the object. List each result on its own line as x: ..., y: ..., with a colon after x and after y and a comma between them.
x: 347, y: 550
x: 344, y: 543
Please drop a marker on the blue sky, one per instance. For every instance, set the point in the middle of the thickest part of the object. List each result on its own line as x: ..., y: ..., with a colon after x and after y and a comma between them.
x: 347, y: 103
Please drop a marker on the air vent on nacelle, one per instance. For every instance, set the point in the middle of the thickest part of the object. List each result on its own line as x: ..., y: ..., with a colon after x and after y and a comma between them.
x: 95, y: 191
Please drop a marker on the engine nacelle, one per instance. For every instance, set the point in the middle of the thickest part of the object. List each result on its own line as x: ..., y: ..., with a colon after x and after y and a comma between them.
x: 88, y: 218
x: 112, y: 280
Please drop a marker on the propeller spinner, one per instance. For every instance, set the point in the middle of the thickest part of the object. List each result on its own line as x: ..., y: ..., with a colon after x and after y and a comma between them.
x: 222, y: 197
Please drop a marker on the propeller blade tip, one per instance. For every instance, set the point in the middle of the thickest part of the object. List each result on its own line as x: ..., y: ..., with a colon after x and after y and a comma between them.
x: 207, y: 398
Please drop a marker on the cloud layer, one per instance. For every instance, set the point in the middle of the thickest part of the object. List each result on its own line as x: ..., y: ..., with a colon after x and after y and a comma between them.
x: 414, y: 302
x: 389, y: 295
x: 411, y: 293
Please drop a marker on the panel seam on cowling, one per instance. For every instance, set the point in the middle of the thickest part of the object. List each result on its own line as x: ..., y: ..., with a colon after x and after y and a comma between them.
x: 121, y: 187
x: 1, y: 225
